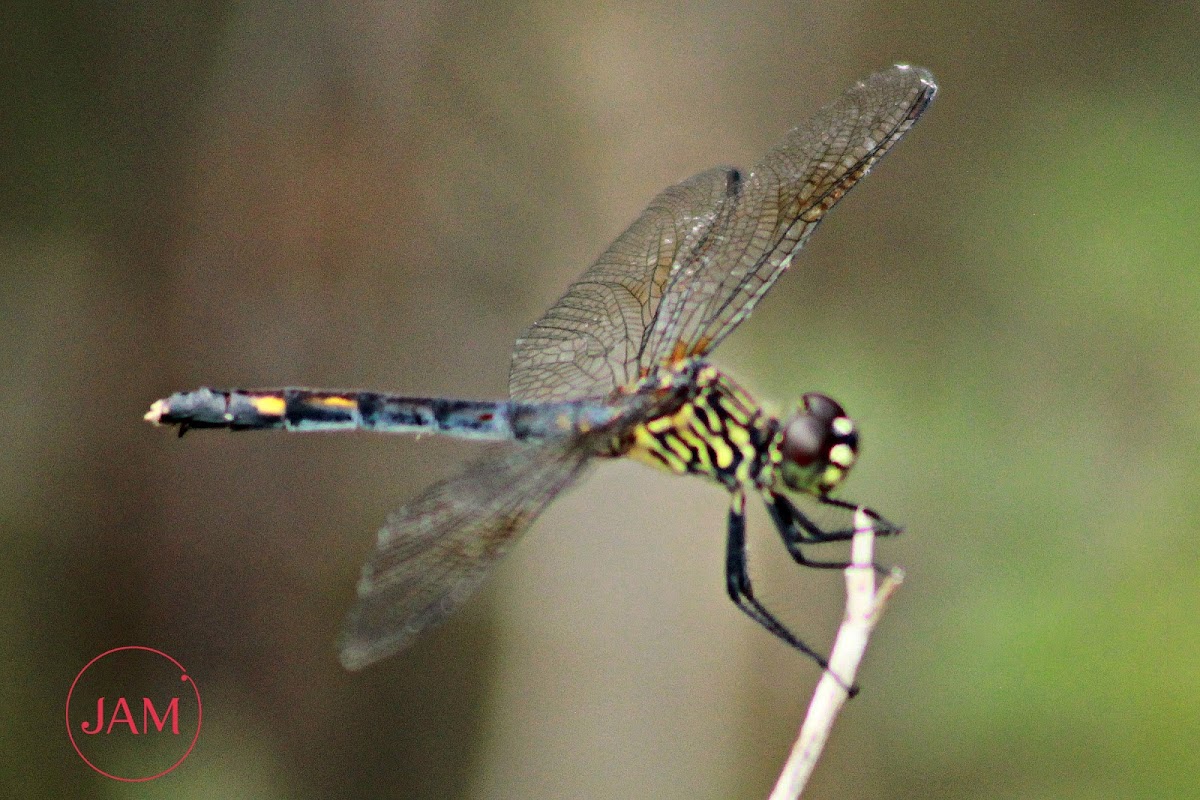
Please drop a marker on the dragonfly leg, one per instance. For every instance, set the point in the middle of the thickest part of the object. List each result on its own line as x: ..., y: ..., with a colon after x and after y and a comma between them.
x: 797, y: 530
x: 882, y: 526
x: 737, y: 583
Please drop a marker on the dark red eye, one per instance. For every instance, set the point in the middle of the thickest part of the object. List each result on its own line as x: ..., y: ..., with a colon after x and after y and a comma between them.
x: 804, y: 440
x: 823, y: 408
x: 811, y: 434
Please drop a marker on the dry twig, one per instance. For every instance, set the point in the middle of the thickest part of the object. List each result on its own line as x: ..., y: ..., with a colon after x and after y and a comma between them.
x: 864, y: 604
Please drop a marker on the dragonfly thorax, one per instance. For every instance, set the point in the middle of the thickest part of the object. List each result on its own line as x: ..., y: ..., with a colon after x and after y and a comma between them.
x: 711, y: 428
x: 816, y: 446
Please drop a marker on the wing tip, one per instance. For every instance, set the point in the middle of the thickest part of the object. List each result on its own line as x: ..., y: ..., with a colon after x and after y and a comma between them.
x: 929, y: 86
x: 355, y: 658
x: 357, y: 651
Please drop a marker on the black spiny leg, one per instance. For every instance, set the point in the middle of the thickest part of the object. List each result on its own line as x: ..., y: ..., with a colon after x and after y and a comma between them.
x: 737, y: 582
x: 797, y: 530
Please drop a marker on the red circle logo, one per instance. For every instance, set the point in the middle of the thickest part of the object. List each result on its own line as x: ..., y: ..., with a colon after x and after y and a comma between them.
x: 133, y: 714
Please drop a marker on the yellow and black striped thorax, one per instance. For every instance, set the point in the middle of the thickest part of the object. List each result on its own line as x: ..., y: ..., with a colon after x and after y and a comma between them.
x: 716, y: 430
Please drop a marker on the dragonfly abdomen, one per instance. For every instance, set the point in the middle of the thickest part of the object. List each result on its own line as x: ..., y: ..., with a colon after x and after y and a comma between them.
x: 319, y: 410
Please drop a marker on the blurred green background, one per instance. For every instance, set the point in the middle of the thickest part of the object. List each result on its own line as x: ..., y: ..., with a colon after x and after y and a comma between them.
x: 384, y: 195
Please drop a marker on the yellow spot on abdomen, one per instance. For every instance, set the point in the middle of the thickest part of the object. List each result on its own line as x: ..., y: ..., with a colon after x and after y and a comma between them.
x: 271, y: 405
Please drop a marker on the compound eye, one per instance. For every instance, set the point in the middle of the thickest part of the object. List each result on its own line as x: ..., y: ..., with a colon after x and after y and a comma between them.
x: 804, y: 440
x: 818, y: 447
x: 823, y: 408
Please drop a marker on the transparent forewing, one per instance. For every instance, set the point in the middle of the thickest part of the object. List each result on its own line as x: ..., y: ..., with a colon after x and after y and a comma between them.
x: 778, y: 205
x: 591, y: 340
x: 435, y: 552
x: 694, y: 264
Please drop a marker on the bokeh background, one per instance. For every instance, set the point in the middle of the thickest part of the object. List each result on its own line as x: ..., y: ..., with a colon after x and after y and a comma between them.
x: 383, y: 195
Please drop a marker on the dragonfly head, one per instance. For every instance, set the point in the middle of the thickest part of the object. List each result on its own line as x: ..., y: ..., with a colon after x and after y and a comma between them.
x: 818, y: 446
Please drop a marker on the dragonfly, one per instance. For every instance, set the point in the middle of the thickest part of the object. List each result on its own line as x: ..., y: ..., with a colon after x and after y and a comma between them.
x: 617, y: 368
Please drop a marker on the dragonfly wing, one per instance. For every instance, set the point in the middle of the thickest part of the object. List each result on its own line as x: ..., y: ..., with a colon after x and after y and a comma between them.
x: 777, y: 206
x: 696, y: 262
x: 590, y: 341
x: 435, y: 552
